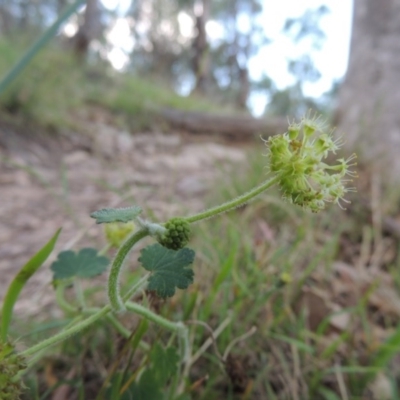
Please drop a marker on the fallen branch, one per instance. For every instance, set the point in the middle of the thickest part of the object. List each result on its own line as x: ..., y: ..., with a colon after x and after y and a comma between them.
x: 234, y: 126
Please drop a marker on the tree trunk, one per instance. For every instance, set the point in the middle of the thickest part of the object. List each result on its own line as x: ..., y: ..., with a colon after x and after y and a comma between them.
x: 201, y: 59
x: 6, y: 20
x: 369, y: 99
x: 61, y: 4
x: 89, y: 29
x: 244, y: 88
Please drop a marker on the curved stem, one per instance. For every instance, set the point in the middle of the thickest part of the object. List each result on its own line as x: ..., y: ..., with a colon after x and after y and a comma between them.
x: 59, y: 337
x: 62, y: 302
x: 114, y: 296
x: 39, y: 355
x: 231, y: 204
x: 67, y: 332
x: 79, y: 293
x: 179, y: 327
x: 146, y: 313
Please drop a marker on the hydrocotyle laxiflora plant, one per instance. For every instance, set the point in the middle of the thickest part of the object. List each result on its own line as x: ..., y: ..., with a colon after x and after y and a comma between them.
x: 298, y: 163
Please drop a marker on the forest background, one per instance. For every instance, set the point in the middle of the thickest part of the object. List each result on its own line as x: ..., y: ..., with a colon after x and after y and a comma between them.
x: 154, y: 101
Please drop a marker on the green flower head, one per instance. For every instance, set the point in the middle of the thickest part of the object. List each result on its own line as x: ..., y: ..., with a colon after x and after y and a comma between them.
x: 10, y: 365
x: 177, y: 234
x: 297, y: 159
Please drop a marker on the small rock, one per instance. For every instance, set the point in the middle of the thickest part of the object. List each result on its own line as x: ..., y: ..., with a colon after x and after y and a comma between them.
x: 75, y: 157
x: 190, y: 185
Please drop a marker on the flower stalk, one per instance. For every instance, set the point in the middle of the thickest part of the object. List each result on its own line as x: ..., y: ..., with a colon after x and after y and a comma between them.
x: 234, y: 203
x: 116, y: 301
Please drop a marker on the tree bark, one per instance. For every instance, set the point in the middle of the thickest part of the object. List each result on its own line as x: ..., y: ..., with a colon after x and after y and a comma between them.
x: 6, y: 20
x: 89, y: 29
x: 369, y: 99
x: 201, y: 59
x: 244, y: 87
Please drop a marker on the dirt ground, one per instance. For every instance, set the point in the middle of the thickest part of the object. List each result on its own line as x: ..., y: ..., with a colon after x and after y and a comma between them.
x: 47, y: 182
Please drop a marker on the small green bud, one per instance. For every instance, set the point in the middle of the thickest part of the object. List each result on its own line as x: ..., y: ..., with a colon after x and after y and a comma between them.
x: 117, y: 232
x: 177, y: 235
x: 284, y: 279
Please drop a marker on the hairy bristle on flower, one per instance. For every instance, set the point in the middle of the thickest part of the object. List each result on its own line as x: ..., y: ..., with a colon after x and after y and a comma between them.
x: 11, y: 364
x: 312, y: 123
x: 296, y: 157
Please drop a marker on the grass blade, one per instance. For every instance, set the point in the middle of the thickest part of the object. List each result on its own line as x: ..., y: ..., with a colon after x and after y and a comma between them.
x: 297, y: 343
x: 387, y: 350
x: 20, y: 280
x: 42, y: 41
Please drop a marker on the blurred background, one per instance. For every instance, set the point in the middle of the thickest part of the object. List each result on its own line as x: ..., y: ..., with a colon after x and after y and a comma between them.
x: 162, y: 103
x: 255, y: 55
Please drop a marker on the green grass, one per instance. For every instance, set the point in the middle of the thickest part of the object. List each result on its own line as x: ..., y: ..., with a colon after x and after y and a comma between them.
x: 47, y: 91
x: 133, y: 94
x: 237, y: 287
x: 55, y: 89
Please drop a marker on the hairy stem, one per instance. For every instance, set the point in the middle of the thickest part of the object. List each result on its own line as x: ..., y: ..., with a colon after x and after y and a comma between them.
x: 114, y: 296
x: 179, y: 327
x: 65, y: 306
x: 231, y: 204
x: 59, y: 337
x: 79, y: 293
x: 72, y: 330
x: 146, y: 313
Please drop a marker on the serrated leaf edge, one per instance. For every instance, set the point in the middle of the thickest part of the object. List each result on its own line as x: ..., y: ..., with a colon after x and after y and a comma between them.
x: 136, y: 210
x: 159, y: 271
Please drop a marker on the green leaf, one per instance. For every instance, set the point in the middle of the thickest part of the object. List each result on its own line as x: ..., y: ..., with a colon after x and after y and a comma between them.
x: 113, y: 391
x: 106, y: 215
x: 165, y: 363
x: 168, y: 267
x: 328, y: 394
x: 147, y: 388
x: 84, y: 264
x: 20, y: 280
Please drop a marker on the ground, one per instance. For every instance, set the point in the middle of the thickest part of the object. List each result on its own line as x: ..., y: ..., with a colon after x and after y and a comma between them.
x: 49, y: 182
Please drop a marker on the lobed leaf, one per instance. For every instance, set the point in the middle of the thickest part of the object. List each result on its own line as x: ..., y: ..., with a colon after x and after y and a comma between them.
x: 164, y: 365
x: 169, y: 268
x: 147, y: 388
x: 84, y: 264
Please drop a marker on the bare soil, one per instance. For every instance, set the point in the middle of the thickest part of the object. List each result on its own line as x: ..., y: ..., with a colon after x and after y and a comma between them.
x: 47, y: 182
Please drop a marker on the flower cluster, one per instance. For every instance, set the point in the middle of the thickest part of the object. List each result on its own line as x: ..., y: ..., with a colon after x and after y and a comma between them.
x: 297, y: 159
x: 10, y: 364
x: 177, y: 234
